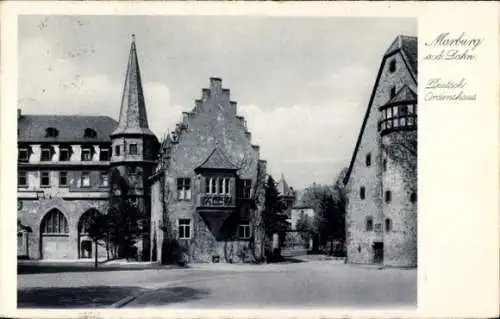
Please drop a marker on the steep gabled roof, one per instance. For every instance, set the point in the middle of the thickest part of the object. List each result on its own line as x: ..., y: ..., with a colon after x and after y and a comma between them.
x: 217, y: 160
x: 283, y: 188
x: 404, y: 95
x: 71, y: 128
x: 408, y: 47
x: 133, y: 118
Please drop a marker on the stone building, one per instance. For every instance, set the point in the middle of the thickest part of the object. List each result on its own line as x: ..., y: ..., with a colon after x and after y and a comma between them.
x: 207, y: 176
x: 381, y: 217
x: 286, y: 194
x: 65, y: 163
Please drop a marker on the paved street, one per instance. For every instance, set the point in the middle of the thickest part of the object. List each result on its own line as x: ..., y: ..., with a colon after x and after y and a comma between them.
x: 316, y: 283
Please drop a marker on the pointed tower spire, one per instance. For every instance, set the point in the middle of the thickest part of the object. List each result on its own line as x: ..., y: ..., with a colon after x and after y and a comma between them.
x: 133, y: 117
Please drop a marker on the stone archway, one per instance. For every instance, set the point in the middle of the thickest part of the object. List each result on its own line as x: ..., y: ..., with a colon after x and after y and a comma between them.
x: 54, y: 236
x: 84, y: 243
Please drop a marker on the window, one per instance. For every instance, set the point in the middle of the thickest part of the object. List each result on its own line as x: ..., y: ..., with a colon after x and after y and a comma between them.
x: 131, y: 170
x: 388, y: 196
x: 388, y: 224
x: 413, y: 197
x: 184, y: 228
x: 89, y: 133
x: 247, y: 188
x: 183, y: 188
x: 392, y: 66
x: 46, y: 154
x: 368, y: 159
x: 104, y: 179
x: 63, y: 178
x: 86, y: 154
x: 85, y: 179
x: 393, y: 92
x: 104, y: 154
x: 369, y: 223
x: 22, y: 178
x: 384, y: 165
x: 54, y: 223
x: 117, y: 150
x: 64, y: 154
x: 244, y: 231
x: 23, y: 155
x: 362, y: 192
x: 45, y: 179
x: 132, y: 149
x: 51, y: 132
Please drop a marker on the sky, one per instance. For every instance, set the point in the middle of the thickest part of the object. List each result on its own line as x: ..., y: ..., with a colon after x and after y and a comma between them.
x: 302, y: 83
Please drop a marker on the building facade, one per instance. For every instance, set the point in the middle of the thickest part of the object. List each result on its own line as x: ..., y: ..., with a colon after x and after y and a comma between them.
x: 204, y: 190
x: 381, y: 217
x: 65, y: 165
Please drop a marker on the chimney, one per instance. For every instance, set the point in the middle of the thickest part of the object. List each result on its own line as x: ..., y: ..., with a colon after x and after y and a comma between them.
x: 225, y: 94
x: 205, y: 94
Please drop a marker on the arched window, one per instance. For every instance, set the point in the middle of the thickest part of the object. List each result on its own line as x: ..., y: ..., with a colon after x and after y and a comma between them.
x: 86, y: 220
x: 54, y: 222
x: 51, y: 132
x: 388, y: 224
x: 369, y: 223
x: 90, y: 133
x: 388, y: 196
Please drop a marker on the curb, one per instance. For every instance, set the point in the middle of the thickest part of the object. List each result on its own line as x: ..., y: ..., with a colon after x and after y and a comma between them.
x: 122, y: 302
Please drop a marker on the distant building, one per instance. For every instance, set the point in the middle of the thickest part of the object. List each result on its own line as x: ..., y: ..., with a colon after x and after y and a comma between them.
x: 286, y: 194
x: 207, y: 174
x: 381, y: 215
x: 64, y: 167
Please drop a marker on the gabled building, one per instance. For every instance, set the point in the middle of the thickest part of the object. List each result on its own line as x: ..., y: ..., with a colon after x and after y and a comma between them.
x: 381, y: 216
x: 286, y: 194
x: 207, y: 176
x: 64, y: 166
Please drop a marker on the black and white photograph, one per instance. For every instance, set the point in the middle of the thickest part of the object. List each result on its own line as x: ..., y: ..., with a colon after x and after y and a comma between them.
x: 216, y: 162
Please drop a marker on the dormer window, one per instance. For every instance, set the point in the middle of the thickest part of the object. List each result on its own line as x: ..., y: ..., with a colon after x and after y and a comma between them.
x: 46, y: 153
x: 86, y: 154
x: 90, y: 133
x: 51, y: 132
x: 23, y: 155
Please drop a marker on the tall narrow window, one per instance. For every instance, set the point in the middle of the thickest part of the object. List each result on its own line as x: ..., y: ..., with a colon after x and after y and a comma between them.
x: 85, y: 179
x: 117, y: 150
x: 392, y: 66
x: 44, y: 179
x: 184, y: 228
x: 22, y: 179
x: 184, y: 188
x: 63, y: 179
x: 64, y: 154
x: 226, y: 185
x: 132, y: 149
x: 369, y: 223
x: 393, y: 92
x: 388, y: 196
x: 388, y: 224
x: 368, y: 159
x: 384, y: 165
x: 220, y: 188
x: 362, y: 192
x: 247, y: 188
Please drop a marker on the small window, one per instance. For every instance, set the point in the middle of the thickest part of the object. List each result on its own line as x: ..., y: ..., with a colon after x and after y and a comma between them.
x: 369, y: 223
x: 46, y: 154
x: 90, y: 133
x: 413, y: 197
x: 388, y: 196
x: 368, y: 159
x: 85, y: 179
x: 388, y: 224
x: 117, y: 150
x: 104, y: 154
x: 362, y: 192
x: 86, y: 154
x: 63, y: 178
x: 244, y: 231
x: 132, y: 149
x: 51, y: 132
x: 23, y: 155
x: 183, y: 188
x: 392, y: 66
x: 384, y: 165
x: 403, y: 110
x: 45, y: 179
x: 104, y: 179
x: 184, y: 228
x: 22, y: 178
x: 247, y: 188
x: 393, y: 92
x: 64, y: 154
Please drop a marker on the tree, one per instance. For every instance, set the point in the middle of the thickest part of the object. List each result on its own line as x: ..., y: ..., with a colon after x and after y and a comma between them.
x: 98, y: 230
x: 275, y: 221
x: 304, y: 227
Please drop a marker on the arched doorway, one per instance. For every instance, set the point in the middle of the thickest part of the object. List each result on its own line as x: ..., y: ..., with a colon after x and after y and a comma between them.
x: 54, y: 236
x: 85, y: 245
